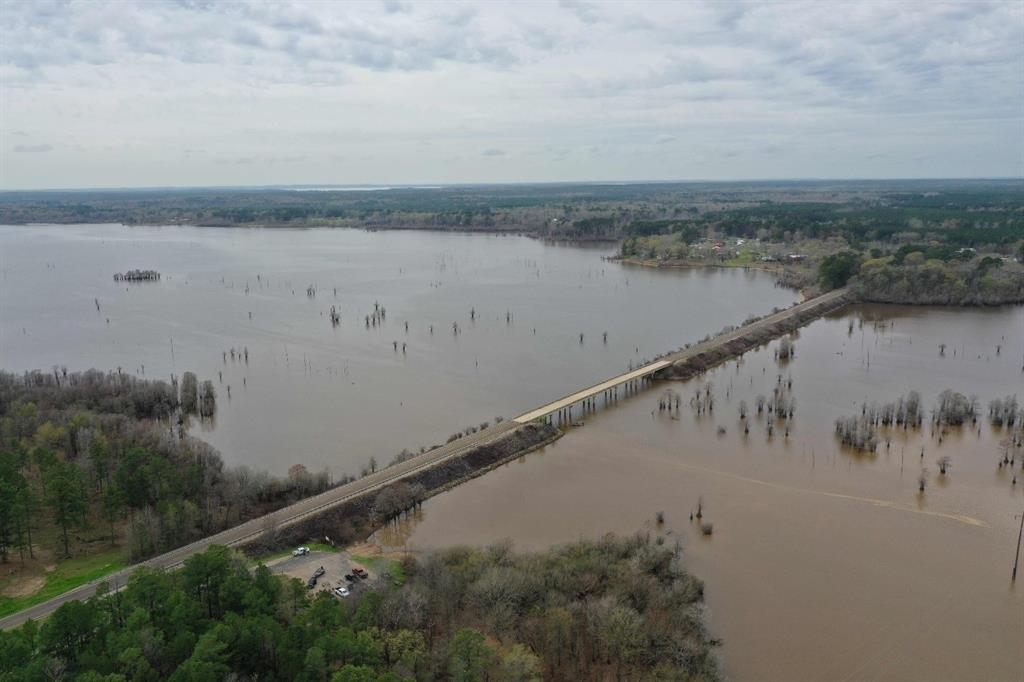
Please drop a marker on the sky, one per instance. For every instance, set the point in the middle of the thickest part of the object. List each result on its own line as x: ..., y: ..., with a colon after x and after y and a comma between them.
x: 197, y: 93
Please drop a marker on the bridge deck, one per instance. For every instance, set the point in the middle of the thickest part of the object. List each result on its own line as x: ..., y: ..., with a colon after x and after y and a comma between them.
x: 574, y: 398
x: 684, y: 354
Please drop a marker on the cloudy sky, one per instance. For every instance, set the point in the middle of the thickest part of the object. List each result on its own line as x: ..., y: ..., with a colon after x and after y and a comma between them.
x: 118, y: 94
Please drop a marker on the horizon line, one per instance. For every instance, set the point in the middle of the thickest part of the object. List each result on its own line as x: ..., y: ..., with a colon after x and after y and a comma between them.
x: 385, y: 186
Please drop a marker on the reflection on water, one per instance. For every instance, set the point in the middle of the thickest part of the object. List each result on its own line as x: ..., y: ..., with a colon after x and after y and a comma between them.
x: 322, y: 395
x: 824, y: 564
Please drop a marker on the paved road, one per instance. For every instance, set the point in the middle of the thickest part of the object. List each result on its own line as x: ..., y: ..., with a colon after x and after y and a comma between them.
x: 318, y: 503
x: 283, y: 517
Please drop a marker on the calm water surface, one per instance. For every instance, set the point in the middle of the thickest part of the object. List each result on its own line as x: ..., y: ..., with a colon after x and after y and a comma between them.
x: 330, y: 396
x: 824, y: 564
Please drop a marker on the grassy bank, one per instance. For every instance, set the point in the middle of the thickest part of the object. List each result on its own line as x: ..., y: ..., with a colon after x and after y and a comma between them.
x: 68, y: 575
x: 381, y: 565
x: 745, y: 263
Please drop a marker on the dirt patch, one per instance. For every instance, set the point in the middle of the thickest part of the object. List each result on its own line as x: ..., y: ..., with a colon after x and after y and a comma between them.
x: 24, y: 586
x: 25, y: 578
x: 365, y: 549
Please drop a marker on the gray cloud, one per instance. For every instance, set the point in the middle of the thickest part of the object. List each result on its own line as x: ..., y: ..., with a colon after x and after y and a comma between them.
x: 250, y: 35
x: 32, y: 148
x: 393, y: 6
x: 426, y: 92
x: 586, y: 12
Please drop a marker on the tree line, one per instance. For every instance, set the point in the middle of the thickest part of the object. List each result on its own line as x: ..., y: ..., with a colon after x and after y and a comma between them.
x: 964, y: 213
x: 93, y: 459
x: 617, y: 608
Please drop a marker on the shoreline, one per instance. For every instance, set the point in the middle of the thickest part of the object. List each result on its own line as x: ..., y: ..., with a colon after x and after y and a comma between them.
x: 684, y: 264
x: 806, y: 293
x: 436, y: 480
x: 511, y: 230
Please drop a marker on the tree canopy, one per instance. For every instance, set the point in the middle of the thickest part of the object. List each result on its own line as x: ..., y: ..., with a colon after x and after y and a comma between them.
x: 618, y: 608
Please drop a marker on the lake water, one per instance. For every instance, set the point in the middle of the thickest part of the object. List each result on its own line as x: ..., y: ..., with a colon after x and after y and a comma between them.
x: 824, y: 564
x: 333, y: 397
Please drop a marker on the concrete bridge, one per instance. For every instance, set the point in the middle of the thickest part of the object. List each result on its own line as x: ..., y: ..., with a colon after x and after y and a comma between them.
x: 562, y: 411
x: 589, y: 399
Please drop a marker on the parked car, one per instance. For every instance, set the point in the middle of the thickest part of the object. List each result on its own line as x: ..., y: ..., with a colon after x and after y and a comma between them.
x: 352, y: 578
x: 301, y: 551
x: 311, y: 583
x: 341, y: 591
x: 319, y: 572
x: 361, y: 572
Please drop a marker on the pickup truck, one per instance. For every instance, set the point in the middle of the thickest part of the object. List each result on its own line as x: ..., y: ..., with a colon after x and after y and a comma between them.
x: 360, y: 571
x: 301, y: 551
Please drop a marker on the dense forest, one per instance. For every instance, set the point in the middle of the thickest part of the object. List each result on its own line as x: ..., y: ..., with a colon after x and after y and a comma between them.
x: 956, y: 246
x: 89, y: 460
x: 613, y: 609
x: 980, y: 281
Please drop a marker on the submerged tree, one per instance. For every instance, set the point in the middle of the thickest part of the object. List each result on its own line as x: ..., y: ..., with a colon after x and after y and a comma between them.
x: 785, y: 350
x: 207, y: 399
x: 189, y: 393
x: 1003, y: 412
x: 953, y: 409
x: 857, y: 432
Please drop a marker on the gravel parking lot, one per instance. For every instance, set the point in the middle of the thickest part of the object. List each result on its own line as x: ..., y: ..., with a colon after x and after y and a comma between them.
x: 336, y: 565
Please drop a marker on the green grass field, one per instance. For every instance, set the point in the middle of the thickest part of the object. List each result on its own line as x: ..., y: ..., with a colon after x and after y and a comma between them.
x: 68, y: 575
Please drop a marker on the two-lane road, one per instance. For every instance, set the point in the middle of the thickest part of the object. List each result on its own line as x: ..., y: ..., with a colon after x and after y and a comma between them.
x: 286, y: 516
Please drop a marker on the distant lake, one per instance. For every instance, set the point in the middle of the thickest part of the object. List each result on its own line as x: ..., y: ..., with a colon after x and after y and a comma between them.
x: 327, y: 396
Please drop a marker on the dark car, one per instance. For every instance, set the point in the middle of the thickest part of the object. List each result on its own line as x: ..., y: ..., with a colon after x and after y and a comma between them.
x: 311, y: 583
x: 319, y: 572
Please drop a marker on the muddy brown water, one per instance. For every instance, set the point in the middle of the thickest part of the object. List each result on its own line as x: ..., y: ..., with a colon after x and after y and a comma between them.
x: 326, y: 396
x: 823, y: 564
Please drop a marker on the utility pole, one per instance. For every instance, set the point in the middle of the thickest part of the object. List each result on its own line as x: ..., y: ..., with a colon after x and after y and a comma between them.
x: 1016, y: 559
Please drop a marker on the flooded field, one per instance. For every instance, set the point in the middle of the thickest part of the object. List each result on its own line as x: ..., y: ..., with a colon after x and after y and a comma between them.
x: 823, y: 563
x: 334, y: 396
